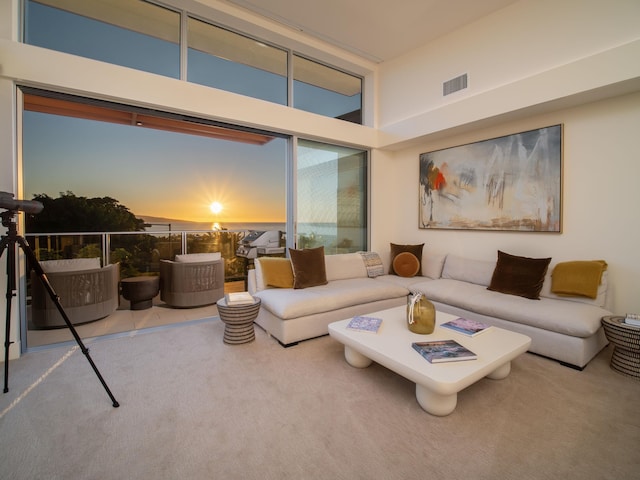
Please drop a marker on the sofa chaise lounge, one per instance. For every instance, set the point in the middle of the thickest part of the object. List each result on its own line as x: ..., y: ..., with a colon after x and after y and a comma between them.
x: 565, y: 328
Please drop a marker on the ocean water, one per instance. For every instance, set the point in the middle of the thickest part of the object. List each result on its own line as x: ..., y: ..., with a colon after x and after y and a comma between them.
x: 324, y: 233
x: 180, y: 225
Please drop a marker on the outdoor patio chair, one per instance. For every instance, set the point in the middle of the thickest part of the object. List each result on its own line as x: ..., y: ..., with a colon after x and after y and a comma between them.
x: 87, y: 292
x: 192, y: 280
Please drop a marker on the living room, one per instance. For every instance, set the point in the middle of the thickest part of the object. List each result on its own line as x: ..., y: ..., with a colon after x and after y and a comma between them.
x: 517, y: 82
x: 531, y: 64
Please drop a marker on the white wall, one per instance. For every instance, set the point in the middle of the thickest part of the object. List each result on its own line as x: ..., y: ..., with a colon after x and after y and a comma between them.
x: 528, y: 55
x: 601, y: 197
x: 532, y: 64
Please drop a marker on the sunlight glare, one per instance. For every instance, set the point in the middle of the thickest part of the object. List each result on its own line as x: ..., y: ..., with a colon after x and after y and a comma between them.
x: 215, y: 207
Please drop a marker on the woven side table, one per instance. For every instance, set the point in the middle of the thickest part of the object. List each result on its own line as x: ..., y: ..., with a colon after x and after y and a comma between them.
x: 626, y: 345
x: 238, y: 320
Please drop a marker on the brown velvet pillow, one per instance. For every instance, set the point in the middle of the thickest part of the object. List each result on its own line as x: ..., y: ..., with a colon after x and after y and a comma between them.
x: 406, y: 264
x: 308, y: 267
x: 396, y: 249
x: 520, y: 276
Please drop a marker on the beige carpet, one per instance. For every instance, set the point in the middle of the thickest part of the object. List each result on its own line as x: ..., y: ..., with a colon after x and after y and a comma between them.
x: 193, y: 407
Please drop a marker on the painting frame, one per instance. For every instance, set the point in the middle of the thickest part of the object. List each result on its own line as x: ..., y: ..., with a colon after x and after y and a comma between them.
x: 507, y: 183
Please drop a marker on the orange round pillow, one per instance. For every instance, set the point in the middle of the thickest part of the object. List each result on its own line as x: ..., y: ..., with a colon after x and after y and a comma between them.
x: 406, y: 264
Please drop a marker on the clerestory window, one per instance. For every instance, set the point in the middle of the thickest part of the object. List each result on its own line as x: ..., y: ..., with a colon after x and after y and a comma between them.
x: 145, y: 36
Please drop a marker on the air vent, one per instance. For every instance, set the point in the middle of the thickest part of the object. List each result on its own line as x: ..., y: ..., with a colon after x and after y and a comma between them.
x: 455, y: 84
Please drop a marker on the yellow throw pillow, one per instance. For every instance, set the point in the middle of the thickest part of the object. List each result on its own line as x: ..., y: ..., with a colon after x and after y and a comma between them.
x: 277, y: 272
x: 580, y: 277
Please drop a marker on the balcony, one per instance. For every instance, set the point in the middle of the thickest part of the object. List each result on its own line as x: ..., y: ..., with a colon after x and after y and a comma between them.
x: 139, y: 254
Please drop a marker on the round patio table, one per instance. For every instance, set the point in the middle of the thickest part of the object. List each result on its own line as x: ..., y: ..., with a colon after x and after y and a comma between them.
x: 140, y: 291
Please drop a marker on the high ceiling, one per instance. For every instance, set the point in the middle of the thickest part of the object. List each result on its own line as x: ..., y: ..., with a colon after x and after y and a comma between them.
x: 377, y: 30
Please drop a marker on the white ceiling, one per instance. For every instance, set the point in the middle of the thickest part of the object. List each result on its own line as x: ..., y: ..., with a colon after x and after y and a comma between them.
x: 377, y: 30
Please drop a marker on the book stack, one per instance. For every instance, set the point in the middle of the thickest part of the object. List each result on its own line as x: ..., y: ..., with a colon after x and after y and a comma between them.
x: 632, y: 319
x: 239, y: 298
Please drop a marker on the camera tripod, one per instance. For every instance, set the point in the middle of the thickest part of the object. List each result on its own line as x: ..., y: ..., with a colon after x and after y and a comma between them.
x: 9, y: 243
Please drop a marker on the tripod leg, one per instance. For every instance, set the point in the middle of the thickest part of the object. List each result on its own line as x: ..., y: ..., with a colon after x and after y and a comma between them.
x: 54, y: 297
x: 10, y: 294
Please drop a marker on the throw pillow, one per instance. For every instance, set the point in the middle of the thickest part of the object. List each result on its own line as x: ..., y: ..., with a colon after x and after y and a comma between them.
x: 581, y: 277
x: 373, y: 262
x: 70, y: 265
x: 308, y: 267
x: 198, y: 257
x: 277, y: 272
x: 521, y: 276
x: 406, y: 264
x: 397, y: 249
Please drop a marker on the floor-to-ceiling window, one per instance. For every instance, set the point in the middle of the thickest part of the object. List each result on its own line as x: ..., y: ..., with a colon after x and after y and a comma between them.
x: 172, y: 170
x: 331, y: 197
x: 162, y: 167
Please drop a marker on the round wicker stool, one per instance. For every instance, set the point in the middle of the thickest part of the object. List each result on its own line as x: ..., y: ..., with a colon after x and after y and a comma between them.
x: 626, y: 345
x: 238, y: 320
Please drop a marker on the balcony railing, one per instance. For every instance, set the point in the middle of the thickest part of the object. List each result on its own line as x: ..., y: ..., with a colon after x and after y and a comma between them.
x: 139, y: 253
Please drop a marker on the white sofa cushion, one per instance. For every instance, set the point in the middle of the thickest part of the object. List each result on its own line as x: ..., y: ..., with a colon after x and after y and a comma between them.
x: 432, y: 264
x: 287, y: 303
x: 70, y: 265
x: 468, y: 270
x: 344, y: 265
x: 569, y: 318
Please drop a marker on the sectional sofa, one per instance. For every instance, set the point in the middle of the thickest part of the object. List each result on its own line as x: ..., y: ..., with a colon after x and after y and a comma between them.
x: 566, y: 328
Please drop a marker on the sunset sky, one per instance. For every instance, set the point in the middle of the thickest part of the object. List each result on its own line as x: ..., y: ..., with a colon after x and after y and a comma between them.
x: 152, y: 172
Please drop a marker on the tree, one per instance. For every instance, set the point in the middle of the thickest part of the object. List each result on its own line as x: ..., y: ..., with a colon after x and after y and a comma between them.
x: 70, y: 213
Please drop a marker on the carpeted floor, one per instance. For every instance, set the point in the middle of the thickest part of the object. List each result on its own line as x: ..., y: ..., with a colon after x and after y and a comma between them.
x: 193, y: 407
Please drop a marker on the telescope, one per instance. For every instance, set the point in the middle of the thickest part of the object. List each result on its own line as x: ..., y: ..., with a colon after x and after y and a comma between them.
x: 27, y: 206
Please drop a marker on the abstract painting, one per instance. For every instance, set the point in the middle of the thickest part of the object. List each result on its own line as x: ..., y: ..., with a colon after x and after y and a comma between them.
x: 506, y: 183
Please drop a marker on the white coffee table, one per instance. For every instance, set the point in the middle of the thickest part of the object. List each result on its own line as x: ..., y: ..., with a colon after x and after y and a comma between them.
x: 437, y: 385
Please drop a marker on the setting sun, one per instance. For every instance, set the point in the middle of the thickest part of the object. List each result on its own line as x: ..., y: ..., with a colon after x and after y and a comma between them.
x: 215, y: 207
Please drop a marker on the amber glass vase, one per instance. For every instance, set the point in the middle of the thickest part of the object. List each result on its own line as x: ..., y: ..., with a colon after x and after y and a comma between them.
x: 421, y: 314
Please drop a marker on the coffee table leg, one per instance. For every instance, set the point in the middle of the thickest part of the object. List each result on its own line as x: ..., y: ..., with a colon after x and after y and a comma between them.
x: 500, y: 372
x: 355, y: 359
x: 435, y: 403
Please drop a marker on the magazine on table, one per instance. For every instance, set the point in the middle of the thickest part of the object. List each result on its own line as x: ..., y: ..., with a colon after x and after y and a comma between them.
x: 467, y: 327
x: 440, y: 351
x: 632, y: 319
x: 365, y: 324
